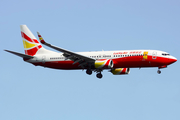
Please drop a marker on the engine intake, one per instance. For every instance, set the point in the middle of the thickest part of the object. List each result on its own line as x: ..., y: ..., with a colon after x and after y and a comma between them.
x: 120, y: 71
x: 103, y: 64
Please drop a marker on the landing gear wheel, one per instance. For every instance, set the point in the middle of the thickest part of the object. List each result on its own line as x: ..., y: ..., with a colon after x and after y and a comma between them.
x: 159, y: 72
x: 89, y: 71
x: 99, y: 75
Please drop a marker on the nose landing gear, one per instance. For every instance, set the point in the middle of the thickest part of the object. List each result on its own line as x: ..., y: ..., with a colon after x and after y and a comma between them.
x: 159, y: 72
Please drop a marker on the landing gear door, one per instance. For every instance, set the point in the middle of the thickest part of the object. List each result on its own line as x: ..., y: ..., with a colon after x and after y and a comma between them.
x: 154, y: 55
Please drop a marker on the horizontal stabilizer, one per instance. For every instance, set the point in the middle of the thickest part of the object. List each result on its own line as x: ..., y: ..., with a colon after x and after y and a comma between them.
x: 20, y: 54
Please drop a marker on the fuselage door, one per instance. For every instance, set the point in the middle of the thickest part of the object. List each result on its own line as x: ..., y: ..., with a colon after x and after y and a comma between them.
x: 145, y: 55
x: 43, y: 59
x: 154, y: 55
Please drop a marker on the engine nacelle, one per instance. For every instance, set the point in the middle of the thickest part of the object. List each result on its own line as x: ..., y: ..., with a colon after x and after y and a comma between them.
x: 103, y: 64
x: 120, y: 71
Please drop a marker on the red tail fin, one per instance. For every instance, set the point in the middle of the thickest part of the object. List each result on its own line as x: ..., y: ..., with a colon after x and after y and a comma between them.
x: 31, y: 44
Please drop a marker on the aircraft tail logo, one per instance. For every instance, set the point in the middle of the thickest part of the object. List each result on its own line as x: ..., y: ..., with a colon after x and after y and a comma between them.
x: 31, y: 44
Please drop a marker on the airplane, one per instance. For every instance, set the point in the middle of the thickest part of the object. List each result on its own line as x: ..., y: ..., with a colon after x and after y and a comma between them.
x: 117, y: 62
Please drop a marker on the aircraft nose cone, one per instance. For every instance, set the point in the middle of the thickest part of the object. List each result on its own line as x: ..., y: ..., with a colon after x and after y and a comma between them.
x: 172, y: 59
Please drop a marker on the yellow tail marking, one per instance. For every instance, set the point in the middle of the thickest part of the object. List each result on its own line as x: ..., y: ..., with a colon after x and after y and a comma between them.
x: 28, y: 45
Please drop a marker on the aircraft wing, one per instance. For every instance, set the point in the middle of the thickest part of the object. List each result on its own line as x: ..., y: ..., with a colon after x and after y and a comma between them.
x: 20, y: 54
x: 69, y: 54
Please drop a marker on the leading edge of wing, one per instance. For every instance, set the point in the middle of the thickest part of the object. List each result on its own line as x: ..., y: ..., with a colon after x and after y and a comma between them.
x: 66, y: 52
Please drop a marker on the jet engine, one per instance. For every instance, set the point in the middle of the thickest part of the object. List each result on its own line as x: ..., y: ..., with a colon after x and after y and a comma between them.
x: 120, y: 71
x: 103, y: 64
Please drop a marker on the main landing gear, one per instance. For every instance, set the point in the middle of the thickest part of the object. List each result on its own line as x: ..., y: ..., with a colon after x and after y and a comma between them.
x: 98, y: 75
x: 89, y: 71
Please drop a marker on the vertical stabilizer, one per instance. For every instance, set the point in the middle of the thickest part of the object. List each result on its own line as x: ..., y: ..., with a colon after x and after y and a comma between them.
x: 31, y: 44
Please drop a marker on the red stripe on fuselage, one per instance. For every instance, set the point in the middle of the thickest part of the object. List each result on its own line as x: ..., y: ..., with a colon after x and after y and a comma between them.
x: 124, y: 62
x: 138, y: 61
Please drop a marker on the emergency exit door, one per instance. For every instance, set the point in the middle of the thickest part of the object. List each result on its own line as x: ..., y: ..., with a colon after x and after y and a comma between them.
x: 154, y: 55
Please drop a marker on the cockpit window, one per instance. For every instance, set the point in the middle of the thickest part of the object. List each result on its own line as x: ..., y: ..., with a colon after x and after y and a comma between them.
x: 165, y: 54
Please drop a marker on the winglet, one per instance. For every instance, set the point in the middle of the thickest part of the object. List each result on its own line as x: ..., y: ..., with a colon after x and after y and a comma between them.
x: 40, y: 38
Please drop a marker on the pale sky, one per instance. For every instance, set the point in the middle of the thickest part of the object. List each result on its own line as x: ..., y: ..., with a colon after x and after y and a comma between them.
x: 34, y: 93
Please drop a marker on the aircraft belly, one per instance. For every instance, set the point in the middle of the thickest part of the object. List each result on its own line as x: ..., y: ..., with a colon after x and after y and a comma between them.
x: 60, y: 65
